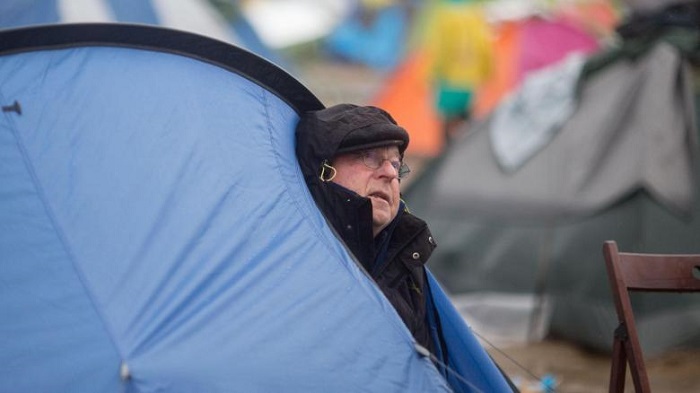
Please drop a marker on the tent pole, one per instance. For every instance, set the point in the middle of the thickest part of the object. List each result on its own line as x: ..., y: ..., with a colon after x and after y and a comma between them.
x: 543, y: 263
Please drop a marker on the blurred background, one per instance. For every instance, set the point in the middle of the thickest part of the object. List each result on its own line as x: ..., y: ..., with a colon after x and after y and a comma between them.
x: 539, y: 129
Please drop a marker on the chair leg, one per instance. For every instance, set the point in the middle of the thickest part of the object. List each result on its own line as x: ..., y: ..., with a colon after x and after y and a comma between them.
x: 639, y: 376
x: 618, y: 367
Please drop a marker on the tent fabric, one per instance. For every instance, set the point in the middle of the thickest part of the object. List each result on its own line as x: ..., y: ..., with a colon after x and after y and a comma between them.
x: 568, y: 38
x: 471, y: 368
x: 604, y: 155
x: 600, y: 17
x: 409, y: 98
x: 527, y: 45
x: 377, y: 43
x: 531, y: 116
x: 506, y: 63
x: 156, y: 233
x: 285, y: 24
x: 650, y: 5
x: 200, y: 17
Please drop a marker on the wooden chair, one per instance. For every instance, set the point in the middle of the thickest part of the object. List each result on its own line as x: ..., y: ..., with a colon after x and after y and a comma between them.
x: 641, y: 272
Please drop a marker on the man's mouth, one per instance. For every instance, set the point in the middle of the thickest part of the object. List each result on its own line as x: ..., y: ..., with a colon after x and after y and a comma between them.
x: 380, y: 195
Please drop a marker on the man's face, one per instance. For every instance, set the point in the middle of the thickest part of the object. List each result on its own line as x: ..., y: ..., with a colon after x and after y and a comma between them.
x: 381, y: 185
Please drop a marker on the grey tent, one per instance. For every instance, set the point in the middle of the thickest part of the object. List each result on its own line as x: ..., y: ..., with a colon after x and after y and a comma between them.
x: 623, y: 166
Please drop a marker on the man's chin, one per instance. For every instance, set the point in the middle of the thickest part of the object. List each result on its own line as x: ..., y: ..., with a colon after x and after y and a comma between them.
x: 381, y: 222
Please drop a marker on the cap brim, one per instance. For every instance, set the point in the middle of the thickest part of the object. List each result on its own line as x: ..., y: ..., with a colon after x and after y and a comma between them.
x: 372, y: 145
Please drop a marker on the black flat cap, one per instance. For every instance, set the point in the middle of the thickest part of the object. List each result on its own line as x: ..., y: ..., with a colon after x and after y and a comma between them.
x: 362, y: 127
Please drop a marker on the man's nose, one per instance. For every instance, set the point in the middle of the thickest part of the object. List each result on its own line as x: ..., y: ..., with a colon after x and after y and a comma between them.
x: 386, y: 169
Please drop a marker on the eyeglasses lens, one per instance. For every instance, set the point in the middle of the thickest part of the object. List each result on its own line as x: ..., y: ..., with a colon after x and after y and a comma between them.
x: 373, y: 159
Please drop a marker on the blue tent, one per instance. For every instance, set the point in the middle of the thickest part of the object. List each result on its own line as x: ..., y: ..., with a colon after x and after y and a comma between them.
x: 156, y: 233
x: 378, y: 43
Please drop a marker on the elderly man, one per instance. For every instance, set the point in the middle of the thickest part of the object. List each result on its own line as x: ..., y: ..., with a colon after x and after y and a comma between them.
x: 352, y: 160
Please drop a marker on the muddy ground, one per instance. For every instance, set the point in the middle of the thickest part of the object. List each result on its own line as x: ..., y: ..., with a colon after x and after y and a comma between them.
x: 578, y: 370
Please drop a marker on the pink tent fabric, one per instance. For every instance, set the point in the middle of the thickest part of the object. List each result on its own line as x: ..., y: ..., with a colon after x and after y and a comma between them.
x: 548, y: 41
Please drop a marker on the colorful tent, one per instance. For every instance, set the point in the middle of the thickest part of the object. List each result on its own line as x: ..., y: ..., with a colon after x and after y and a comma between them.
x: 372, y: 36
x: 156, y: 233
x: 521, y: 46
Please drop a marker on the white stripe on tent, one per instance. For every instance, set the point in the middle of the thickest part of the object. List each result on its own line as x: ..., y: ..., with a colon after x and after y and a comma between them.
x: 195, y: 16
x: 192, y: 15
x: 71, y: 11
x: 285, y: 23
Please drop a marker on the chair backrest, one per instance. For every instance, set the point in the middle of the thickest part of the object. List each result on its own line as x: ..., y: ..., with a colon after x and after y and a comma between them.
x: 649, y: 273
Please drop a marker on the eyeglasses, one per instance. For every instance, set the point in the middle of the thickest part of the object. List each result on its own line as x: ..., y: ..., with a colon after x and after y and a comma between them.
x: 374, y: 159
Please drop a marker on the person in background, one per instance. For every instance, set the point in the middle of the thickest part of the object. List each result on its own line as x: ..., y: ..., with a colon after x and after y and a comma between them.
x: 461, y: 53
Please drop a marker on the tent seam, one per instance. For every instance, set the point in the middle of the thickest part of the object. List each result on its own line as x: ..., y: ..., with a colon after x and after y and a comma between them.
x: 62, y: 237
